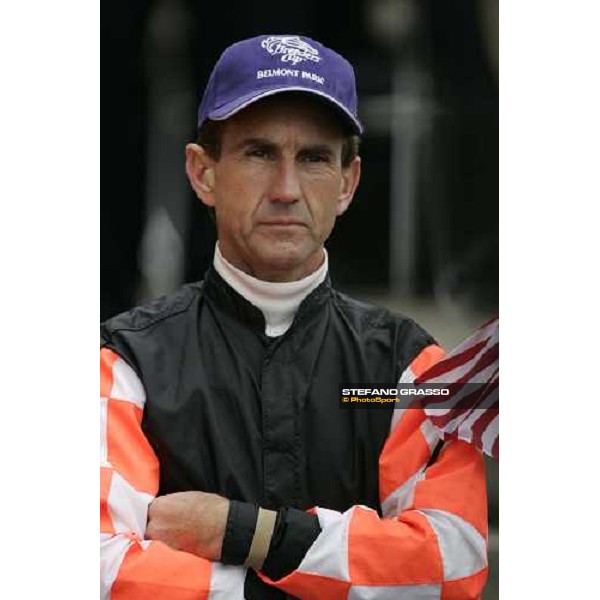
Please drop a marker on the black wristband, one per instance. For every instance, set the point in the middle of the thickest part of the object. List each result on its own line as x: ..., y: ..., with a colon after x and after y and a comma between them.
x: 239, y: 531
x: 295, y: 532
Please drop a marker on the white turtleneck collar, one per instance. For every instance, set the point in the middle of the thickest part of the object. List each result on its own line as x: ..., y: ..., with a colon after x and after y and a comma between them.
x: 277, y: 301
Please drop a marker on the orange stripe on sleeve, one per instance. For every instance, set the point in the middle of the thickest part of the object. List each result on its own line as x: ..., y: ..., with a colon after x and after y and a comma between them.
x: 107, y: 360
x: 311, y: 586
x: 106, y: 524
x: 456, y: 483
x: 403, y: 454
x: 468, y: 588
x: 393, y: 552
x: 128, y: 450
x: 162, y: 573
x: 426, y: 359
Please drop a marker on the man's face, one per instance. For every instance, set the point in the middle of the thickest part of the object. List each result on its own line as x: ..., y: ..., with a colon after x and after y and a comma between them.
x: 278, y: 186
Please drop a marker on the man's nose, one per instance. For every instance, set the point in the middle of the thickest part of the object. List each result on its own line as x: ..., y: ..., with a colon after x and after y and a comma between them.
x: 285, y: 186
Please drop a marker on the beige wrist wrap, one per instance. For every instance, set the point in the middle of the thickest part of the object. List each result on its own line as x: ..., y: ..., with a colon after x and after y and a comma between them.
x: 265, y: 525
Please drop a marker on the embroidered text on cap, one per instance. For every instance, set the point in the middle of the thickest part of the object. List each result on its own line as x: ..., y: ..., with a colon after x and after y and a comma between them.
x: 291, y: 48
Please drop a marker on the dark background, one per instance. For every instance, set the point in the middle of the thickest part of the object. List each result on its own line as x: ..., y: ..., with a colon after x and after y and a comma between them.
x: 424, y: 223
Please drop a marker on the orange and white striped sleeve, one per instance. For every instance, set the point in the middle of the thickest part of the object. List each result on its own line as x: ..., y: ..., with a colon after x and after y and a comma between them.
x: 431, y: 543
x: 133, y: 568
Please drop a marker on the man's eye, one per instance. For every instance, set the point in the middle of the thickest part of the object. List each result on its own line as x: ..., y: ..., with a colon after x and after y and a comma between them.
x: 258, y: 153
x: 315, y: 158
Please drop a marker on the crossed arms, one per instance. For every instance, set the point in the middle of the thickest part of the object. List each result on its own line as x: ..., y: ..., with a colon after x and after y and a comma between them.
x: 430, y: 543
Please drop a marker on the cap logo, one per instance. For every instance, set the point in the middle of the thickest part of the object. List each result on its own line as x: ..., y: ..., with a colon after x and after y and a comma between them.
x: 290, y: 48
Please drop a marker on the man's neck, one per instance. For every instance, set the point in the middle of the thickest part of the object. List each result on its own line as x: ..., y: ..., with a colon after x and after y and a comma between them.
x: 278, y: 301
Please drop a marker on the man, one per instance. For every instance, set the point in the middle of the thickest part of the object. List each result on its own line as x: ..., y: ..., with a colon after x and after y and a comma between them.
x: 221, y: 427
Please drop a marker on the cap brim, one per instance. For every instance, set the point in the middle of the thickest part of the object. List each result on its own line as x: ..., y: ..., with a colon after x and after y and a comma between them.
x: 233, y: 107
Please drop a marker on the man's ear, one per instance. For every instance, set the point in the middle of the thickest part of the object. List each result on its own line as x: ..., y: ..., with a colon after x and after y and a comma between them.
x: 200, y: 171
x: 350, y: 179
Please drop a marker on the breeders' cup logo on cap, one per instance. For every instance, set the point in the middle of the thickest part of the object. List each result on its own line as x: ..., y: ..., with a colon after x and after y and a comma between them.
x: 291, y: 48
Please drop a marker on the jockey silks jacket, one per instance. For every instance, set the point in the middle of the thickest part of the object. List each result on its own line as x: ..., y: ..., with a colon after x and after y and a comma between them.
x: 194, y: 396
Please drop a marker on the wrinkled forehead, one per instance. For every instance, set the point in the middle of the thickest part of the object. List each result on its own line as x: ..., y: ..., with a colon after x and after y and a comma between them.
x: 289, y: 113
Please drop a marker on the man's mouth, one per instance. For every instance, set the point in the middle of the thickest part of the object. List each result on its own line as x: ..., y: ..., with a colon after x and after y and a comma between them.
x: 283, y: 222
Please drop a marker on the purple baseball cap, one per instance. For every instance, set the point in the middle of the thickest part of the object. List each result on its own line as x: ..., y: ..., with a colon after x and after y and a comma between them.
x: 270, y: 64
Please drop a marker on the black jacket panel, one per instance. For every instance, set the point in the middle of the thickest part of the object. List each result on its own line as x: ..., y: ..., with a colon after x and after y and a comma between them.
x: 257, y: 419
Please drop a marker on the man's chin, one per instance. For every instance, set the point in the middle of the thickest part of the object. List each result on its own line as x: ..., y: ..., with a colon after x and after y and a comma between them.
x: 286, y: 261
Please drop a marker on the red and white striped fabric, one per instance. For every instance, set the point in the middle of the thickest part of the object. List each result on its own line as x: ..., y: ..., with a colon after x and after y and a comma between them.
x: 471, y: 373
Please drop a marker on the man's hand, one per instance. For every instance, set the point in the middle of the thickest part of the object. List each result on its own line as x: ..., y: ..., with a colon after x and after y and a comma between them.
x: 190, y: 521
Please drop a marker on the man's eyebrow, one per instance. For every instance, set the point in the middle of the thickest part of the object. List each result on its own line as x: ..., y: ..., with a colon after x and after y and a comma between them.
x: 258, y: 142
x: 325, y: 149
x: 254, y: 142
